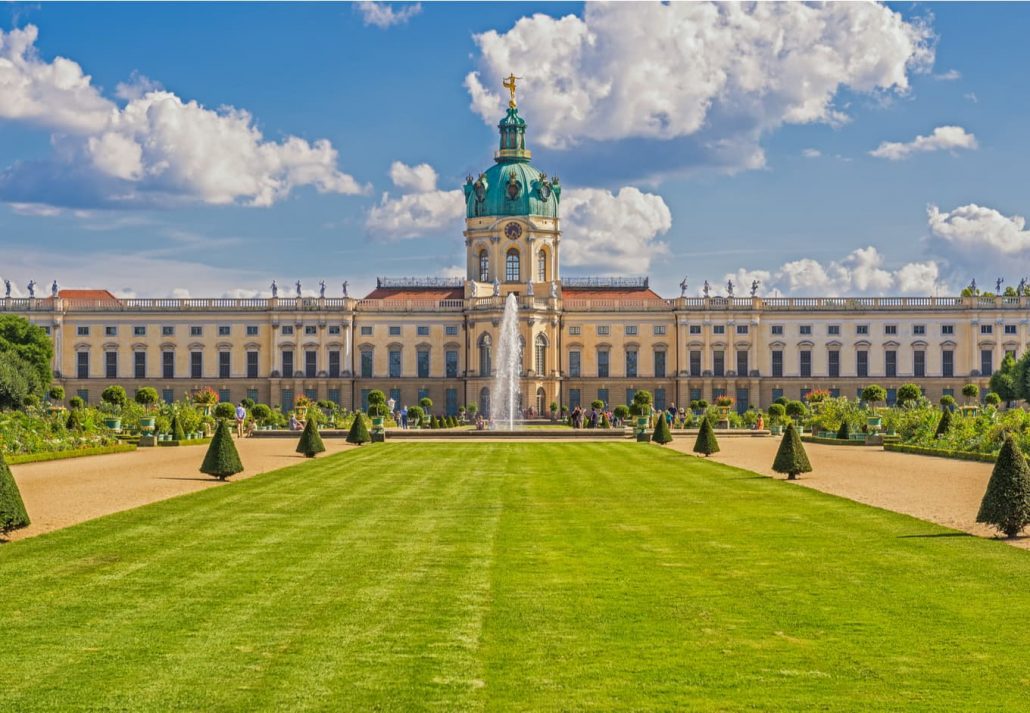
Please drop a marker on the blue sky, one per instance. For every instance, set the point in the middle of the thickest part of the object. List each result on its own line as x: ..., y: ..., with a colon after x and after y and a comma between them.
x: 675, y: 161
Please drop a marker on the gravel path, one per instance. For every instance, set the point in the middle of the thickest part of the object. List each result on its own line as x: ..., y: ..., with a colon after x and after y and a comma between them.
x: 64, y: 492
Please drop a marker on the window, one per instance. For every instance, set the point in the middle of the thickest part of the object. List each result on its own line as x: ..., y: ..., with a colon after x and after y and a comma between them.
x: 986, y: 329
x: 111, y: 365
x: 167, y: 365
x: 366, y: 363
x: 833, y: 364
x: 484, y: 355
x: 168, y: 396
x: 806, y: 329
x: 366, y: 331
x: 602, y: 363
x: 224, y: 330
x: 986, y: 362
x: 719, y: 362
x: 919, y: 329
x: 310, y: 330
x: 422, y: 363
x: 695, y: 329
x: 224, y: 361
x: 862, y: 330
x: 287, y: 363
x: 742, y: 329
x: 806, y: 362
x: 890, y: 363
x: 82, y: 365
x: 1010, y: 329
x: 286, y: 330
x: 110, y: 331
x: 252, y: 330
x: 484, y: 266
x: 45, y: 328
x: 742, y: 362
x: 252, y: 365
x: 602, y: 396
x: 659, y: 399
x: 659, y: 364
x: 919, y: 363
x: 862, y: 363
x: 575, y: 331
x: 450, y: 358
x: 719, y: 329
x: 451, y: 330
x: 422, y: 331
x: 540, y: 354
x: 511, y: 266
x: 631, y: 330
x: 196, y: 365
x: 659, y: 330
x: 310, y: 363
x: 631, y: 363
x: 334, y: 363
x: 394, y: 365
x: 196, y: 331
x: 947, y: 329
x: 286, y: 399
x: 574, y: 362
x: 833, y: 330
x: 167, y: 331
x: 777, y: 329
x: 777, y: 394
x: 451, y: 402
x: 890, y: 329
x: 541, y: 265
x: 603, y: 330
x: 139, y: 365
x: 777, y: 363
x: 334, y: 330
x: 224, y: 395
x: 395, y: 331
x: 948, y: 363
x: 139, y: 331
x: 575, y: 399
x: 82, y: 331
x: 695, y: 362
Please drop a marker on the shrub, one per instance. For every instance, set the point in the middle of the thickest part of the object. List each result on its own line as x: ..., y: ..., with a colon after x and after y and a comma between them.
x: 795, y: 409
x: 992, y: 399
x: 776, y: 411
x: 426, y: 403
x: 75, y: 421
x: 415, y: 416
x: 874, y: 394
x: 706, y: 442
x: 702, y: 404
x: 114, y: 395
x: 249, y: 404
x: 844, y: 433
x: 948, y: 402
x: 1006, y: 504
x: 782, y: 401
x: 908, y: 393
x: 943, y: 425
x: 791, y: 457
x: 621, y: 412
x: 76, y: 402
x: 225, y: 410
x: 662, y: 434
x: 178, y: 434
x: 597, y: 404
x: 971, y: 391
x: 358, y: 433
x: 471, y: 409
x: 641, y: 405
x: 147, y: 396
x: 261, y: 413
x: 310, y: 442
x: 222, y: 458
x: 13, y: 515
x: 554, y: 407
x: 56, y: 393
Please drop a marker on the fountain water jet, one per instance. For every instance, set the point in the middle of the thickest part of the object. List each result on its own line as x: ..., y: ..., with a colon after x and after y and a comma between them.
x: 504, y: 395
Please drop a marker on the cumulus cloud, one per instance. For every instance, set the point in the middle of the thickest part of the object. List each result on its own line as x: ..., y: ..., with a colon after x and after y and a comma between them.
x: 976, y: 241
x: 613, y: 232
x: 811, y: 153
x: 943, y: 138
x: 156, y: 148
x: 420, y: 178
x: 422, y: 211
x: 383, y: 15
x: 718, y: 75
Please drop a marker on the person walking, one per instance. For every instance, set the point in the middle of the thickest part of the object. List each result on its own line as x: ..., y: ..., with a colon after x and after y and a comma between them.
x: 241, y: 417
x: 404, y: 417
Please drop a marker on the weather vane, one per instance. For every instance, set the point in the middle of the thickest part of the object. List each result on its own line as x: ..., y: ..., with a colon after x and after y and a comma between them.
x: 509, y: 84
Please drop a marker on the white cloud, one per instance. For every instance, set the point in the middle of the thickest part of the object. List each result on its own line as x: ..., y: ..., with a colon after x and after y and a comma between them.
x: 422, y: 211
x: 811, y: 153
x: 723, y: 74
x: 943, y: 138
x: 156, y: 148
x: 616, y: 233
x: 973, y: 229
x: 382, y: 15
x: 420, y: 178
x: 949, y: 76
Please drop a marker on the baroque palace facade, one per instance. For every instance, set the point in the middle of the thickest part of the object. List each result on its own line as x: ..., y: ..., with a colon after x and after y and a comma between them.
x: 583, y: 339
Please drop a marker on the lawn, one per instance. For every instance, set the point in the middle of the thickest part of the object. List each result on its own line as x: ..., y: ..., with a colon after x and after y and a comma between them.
x: 513, y: 576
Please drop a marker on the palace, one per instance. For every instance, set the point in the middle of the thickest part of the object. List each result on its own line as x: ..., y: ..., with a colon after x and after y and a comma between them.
x: 583, y: 338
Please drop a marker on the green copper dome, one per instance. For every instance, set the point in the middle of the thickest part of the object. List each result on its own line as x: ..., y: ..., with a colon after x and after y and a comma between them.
x: 512, y: 186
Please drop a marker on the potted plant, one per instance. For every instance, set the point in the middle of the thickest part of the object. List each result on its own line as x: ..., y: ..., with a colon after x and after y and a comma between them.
x: 621, y: 413
x: 641, y: 408
x: 206, y: 399
x: 554, y: 410
x: 301, y: 406
x: 471, y: 410
x: 55, y: 394
x: 113, y: 400
x: 147, y: 397
x: 377, y: 411
x: 874, y: 394
x: 971, y: 392
x: 776, y: 413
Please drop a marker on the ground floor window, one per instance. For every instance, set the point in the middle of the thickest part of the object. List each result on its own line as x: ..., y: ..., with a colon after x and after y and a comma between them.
x: 224, y: 396
x: 659, y: 399
x: 286, y: 399
x: 484, y: 402
x: 451, y: 402
x: 575, y: 399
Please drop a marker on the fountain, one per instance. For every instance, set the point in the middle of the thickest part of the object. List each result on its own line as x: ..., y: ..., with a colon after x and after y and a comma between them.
x: 504, y: 395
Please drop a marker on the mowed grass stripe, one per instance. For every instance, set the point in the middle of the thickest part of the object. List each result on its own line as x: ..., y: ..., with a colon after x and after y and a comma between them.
x: 512, y: 576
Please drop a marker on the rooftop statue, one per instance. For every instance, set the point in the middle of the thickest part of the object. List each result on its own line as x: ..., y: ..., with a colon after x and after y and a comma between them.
x: 509, y: 84
x: 275, y: 289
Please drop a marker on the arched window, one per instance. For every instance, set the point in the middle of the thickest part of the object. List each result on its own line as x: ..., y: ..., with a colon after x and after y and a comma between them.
x: 511, y: 266
x: 484, y: 266
x: 541, y: 265
x: 484, y: 355
x: 541, y: 398
x: 540, y: 362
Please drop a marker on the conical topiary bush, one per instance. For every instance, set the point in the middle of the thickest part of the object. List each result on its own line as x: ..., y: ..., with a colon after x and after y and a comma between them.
x: 177, y: 433
x: 222, y: 459
x: 310, y: 441
x: 1006, y: 504
x: 791, y: 457
x: 706, y: 442
x: 661, y: 434
x: 358, y: 432
x: 13, y: 515
x: 944, y: 424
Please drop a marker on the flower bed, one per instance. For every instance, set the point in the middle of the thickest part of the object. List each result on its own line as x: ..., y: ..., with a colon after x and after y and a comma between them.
x: 940, y: 452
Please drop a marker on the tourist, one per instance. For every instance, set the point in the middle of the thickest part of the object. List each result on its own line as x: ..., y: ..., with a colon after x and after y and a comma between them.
x: 241, y: 416
x: 404, y: 417
x: 295, y: 425
x: 760, y: 423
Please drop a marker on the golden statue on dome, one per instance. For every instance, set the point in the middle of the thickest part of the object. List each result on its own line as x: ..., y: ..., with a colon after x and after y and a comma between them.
x: 509, y: 84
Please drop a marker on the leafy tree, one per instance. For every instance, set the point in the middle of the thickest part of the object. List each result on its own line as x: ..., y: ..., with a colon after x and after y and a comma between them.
x: 621, y: 412
x: 790, y: 456
x: 909, y: 394
x: 30, y: 344
x: 426, y: 403
x: 641, y: 405
x: 776, y: 412
x: 943, y: 425
x: 358, y: 433
x: 795, y: 409
x: 415, y: 416
x: 992, y: 399
x: 597, y: 404
x: 662, y: 434
x: 971, y: 391
x: 843, y: 433
x: 260, y: 412
x: 76, y: 402
x: 114, y: 395
x: 18, y: 381
x: 222, y: 458
x: 226, y: 410
x: 874, y: 394
x: 1004, y: 380
x: 75, y: 420
x: 56, y: 393
x: 376, y: 403
x: 310, y: 441
x: 1006, y: 504
x: 147, y: 396
x: 702, y: 404
x: 706, y: 442
x: 948, y: 402
x: 13, y: 515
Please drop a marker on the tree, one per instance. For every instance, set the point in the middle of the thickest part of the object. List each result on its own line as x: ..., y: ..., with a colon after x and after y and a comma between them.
x: 31, y: 344
x: 874, y: 394
x: 147, y: 396
x: 796, y: 409
x: 947, y: 402
x: 662, y: 434
x: 222, y: 458
x: 597, y: 404
x: 641, y: 405
x: 358, y: 432
x: 706, y: 442
x: 943, y: 425
x: 56, y: 393
x: 1003, y: 381
x: 415, y: 416
x: 310, y: 442
x: 226, y: 410
x: 18, y: 381
x: 844, y: 433
x: 114, y: 395
x: 376, y: 403
x: 261, y: 412
x: 776, y: 412
x: 176, y: 428
x: 13, y: 515
x: 992, y: 399
x: 971, y: 391
x: 426, y: 403
x: 790, y: 456
x: 1006, y: 504
x: 909, y: 394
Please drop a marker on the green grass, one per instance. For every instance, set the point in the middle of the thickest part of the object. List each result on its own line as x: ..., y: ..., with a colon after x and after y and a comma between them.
x: 513, y: 576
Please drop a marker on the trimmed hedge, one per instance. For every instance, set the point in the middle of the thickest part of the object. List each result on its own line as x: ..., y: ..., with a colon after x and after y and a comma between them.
x: 185, y: 442
x: 940, y: 452
x: 831, y: 441
x: 76, y: 453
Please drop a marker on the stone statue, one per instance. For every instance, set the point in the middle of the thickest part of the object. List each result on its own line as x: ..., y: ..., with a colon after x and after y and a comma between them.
x: 972, y: 286
x: 7, y: 287
x: 344, y: 288
x: 997, y: 285
x: 683, y: 287
x: 754, y: 288
x: 275, y: 289
x: 54, y: 289
x: 298, y: 289
x: 1022, y: 286
x: 729, y: 288
x: 554, y: 289
x: 32, y: 288
x: 529, y: 288
x: 321, y: 289
x: 497, y: 287
x: 707, y: 288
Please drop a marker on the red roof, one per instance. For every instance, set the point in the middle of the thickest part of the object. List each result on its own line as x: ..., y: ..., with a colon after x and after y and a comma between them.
x: 617, y: 293
x: 87, y: 295
x: 416, y: 293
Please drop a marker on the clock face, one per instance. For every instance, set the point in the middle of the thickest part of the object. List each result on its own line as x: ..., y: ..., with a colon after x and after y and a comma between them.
x: 513, y: 230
